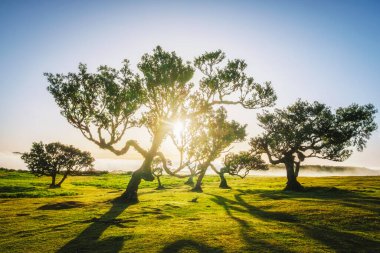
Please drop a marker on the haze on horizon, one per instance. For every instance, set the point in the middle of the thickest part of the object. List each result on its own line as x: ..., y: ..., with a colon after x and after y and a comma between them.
x: 315, y: 50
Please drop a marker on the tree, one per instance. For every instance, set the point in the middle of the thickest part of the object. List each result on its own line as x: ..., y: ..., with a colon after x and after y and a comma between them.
x: 55, y: 158
x: 215, y: 135
x: 240, y: 165
x: 304, y: 130
x: 205, y: 138
x: 157, y: 171
x: 103, y: 105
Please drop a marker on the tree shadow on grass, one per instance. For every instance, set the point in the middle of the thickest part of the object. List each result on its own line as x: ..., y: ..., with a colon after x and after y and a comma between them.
x: 336, y: 240
x: 186, y: 244
x: 248, y: 233
x: 16, y: 189
x: 62, y: 205
x: 345, y: 197
x: 88, y: 239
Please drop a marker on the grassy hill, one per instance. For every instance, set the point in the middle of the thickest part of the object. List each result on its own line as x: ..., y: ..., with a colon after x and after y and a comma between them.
x: 335, y: 214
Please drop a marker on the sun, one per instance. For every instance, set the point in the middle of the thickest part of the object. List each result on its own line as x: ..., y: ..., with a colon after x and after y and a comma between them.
x: 178, y: 128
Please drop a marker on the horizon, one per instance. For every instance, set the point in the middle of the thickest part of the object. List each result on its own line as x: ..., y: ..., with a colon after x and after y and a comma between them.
x: 318, y: 51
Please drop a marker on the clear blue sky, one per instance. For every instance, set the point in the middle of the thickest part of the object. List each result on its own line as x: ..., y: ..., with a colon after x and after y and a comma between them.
x: 316, y: 50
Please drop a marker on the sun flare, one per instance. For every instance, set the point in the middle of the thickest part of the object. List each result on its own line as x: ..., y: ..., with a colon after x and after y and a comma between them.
x: 178, y: 128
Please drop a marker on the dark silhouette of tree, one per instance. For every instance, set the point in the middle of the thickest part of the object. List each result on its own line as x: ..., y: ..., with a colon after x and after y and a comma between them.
x: 55, y: 158
x: 103, y: 105
x: 305, y: 130
x: 240, y: 165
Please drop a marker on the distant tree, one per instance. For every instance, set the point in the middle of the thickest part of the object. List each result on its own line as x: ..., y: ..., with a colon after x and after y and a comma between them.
x: 55, y: 158
x: 105, y: 104
x: 304, y: 130
x: 157, y: 170
x: 193, y: 173
x: 206, y: 139
x: 240, y: 165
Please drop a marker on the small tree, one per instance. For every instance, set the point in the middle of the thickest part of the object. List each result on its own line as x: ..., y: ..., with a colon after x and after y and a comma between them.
x: 239, y: 165
x: 55, y: 158
x: 205, y: 139
x: 305, y: 130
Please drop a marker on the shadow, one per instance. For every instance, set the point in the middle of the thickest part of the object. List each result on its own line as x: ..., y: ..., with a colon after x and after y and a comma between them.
x: 339, y: 241
x: 186, y: 244
x: 88, y: 239
x: 345, y: 197
x: 252, y: 237
x: 15, y: 189
x: 241, y: 206
x: 61, y: 205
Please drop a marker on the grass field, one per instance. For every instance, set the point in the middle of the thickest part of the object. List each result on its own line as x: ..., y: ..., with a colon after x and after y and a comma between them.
x: 335, y: 214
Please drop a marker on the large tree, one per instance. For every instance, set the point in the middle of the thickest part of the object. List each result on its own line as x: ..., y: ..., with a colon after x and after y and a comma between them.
x: 304, y: 130
x: 103, y: 105
x: 56, y: 159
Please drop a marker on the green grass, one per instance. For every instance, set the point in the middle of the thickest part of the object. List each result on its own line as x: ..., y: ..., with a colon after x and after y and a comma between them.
x: 335, y: 214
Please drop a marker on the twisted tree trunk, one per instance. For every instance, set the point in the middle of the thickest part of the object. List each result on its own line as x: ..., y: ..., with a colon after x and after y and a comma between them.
x: 63, y: 178
x: 198, y: 185
x: 144, y: 172
x: 223, y: 182
x: 292, y: 184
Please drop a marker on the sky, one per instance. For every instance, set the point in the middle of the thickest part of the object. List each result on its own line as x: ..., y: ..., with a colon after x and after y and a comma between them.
x: 315, y: 50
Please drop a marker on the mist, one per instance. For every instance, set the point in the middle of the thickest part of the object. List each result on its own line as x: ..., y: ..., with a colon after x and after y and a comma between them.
x: 13, y: 161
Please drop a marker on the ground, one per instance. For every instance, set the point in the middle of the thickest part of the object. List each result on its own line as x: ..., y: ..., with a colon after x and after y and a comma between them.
x: 335, y: 214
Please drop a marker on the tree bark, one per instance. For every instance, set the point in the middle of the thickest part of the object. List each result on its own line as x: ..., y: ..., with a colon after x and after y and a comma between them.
x: 190, y: 181
x: 63, y: 179
x: 292, y: 184
x: 53, y: 177
x: 130, y: 193
x: 223, y: 182
x: 144, y: 172
x: 198, y: 185
x: 297, y: 169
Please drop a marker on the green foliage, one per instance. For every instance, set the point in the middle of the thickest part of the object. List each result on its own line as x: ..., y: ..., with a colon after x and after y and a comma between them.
x: 105, y: 100
x: 212, y: 134
x: 221, y: 82
x: 103, y: 105
x: 242, y: 163
x: 55, y: 158
x: 313, y: 130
